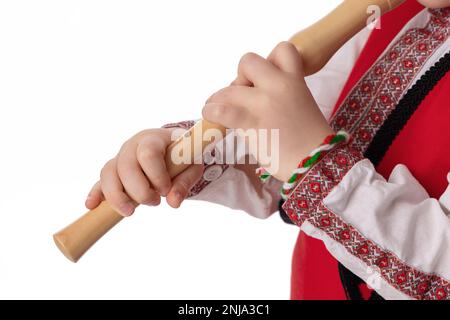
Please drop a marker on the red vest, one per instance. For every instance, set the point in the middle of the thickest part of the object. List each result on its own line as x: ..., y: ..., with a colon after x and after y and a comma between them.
x: 422, y: 145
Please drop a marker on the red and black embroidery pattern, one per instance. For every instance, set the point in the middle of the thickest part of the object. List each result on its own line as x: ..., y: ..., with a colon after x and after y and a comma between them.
x: 182, y: 125
x: 306, y: 204
x: 373, y: 99
x: 362, y: 114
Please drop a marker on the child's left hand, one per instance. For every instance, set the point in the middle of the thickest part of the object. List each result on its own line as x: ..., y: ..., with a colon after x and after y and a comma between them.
x: 272, y: 94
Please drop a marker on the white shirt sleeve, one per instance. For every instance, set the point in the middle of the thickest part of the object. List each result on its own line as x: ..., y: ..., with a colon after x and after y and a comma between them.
x: 399, y: 217
x: 261, y: 200
x: 390, y: 233
x: 327, y: 84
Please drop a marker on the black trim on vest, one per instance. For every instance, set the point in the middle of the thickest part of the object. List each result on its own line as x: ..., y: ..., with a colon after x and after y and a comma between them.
x: 381, y: 143
x: 386, y: 136
x: 399, y: 117
x: 283, y: 214
x: 397, y: 120
x: 375, y: 296
x: 350, y: 283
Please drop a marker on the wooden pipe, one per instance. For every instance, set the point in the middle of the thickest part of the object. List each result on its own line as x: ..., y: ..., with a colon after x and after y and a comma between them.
x: 317, y: 44
x: 77, y: 238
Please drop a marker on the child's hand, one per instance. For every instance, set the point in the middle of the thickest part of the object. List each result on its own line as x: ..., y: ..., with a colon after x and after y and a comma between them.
x: 138, y: 175
x: 272, y: 94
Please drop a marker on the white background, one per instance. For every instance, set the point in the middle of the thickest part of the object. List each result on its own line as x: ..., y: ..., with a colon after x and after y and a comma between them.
x: 78, y: 78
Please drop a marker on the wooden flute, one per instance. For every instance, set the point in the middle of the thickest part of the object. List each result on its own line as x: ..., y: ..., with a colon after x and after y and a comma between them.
x: 317, y: 44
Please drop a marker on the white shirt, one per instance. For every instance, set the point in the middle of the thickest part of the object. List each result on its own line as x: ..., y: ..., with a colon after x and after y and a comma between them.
x: 398, y: 213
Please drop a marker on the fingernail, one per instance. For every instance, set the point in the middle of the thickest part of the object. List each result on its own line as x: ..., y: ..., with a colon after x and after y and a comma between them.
x: 127, y: 209
x: 164, y: 191
x: 179, y: 197
x: 153, y: 203
x: 88, y: 199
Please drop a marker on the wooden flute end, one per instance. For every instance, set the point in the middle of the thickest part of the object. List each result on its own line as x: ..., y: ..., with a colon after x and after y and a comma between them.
x: 317, y: 44
x: 74, y: 240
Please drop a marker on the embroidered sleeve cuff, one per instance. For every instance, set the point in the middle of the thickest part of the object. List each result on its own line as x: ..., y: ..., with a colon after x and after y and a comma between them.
x: 369, y: 236
x: 318, y: 183
x: 182, y: 125
x: 212, y: 170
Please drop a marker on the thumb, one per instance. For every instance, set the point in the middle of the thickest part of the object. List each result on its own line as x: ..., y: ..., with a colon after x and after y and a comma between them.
x: 182, y: 185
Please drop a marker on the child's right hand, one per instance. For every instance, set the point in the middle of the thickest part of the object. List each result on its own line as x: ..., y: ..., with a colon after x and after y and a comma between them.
x: 138, y: 175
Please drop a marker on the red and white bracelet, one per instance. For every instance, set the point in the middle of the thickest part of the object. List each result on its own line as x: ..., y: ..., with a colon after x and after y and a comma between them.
x: 304, y: 166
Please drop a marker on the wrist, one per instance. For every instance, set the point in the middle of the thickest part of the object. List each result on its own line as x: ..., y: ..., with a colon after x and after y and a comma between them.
x: 328, y: 144
x: 301, y: 148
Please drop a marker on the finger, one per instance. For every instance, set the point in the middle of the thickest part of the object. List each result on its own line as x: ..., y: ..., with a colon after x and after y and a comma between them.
x: 241, y: 81
x: 113, y: 190
x: 151, y: 157
x: 258, y: 71
x: 228, y: 116
x: 237, y: 96
x: 231, y: 107
x: 183, y: 184
x: 234, y: 94
x: 287, y: 58
x: 95, y: 197
x: 133, y: 179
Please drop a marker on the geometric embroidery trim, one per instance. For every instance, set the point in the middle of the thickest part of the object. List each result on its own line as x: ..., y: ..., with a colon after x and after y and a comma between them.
x: 379, y: 91
x: 362, y: 114
x: 306, y: 204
